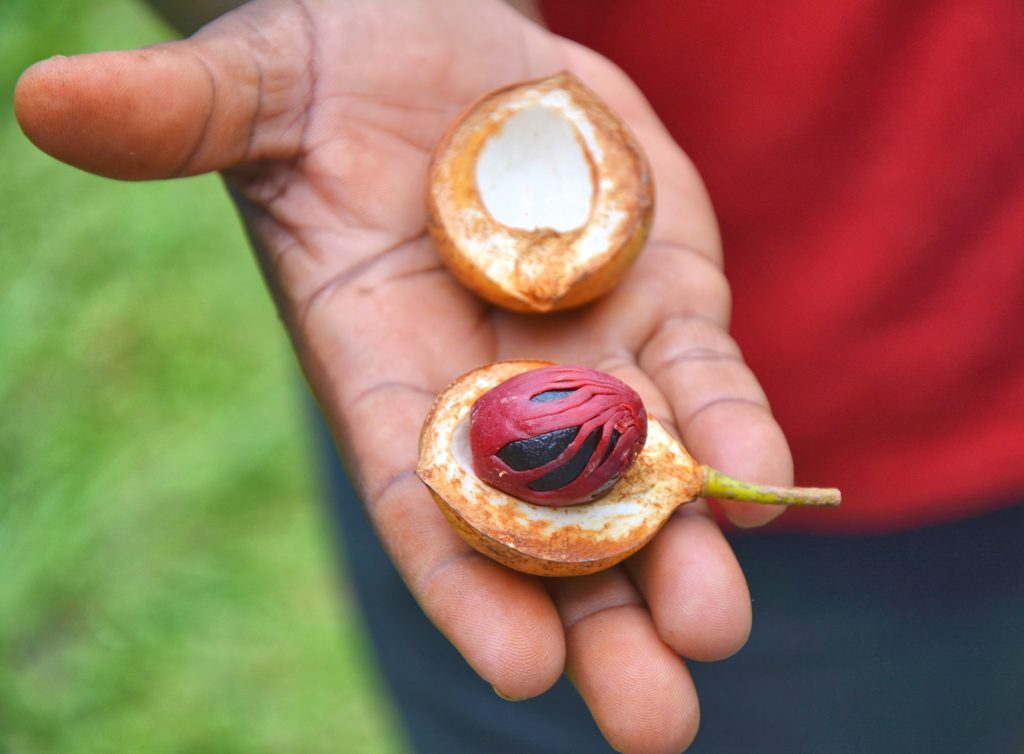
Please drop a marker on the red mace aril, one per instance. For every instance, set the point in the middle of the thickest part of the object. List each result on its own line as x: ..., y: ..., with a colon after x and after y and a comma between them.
x: 460, y: 459
x: 559, y: 435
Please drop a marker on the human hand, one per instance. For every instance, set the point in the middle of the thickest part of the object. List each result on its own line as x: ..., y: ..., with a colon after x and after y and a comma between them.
x: 322, y: 116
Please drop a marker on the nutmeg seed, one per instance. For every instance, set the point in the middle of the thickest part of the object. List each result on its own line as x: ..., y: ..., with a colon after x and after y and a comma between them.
x: 559, y: 435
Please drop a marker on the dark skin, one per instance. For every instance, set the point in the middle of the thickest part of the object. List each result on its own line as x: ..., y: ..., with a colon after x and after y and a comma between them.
x: 321, y: 117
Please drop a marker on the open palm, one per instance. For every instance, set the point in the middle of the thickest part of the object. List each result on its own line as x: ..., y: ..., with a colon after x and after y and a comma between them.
x: 322, y: 116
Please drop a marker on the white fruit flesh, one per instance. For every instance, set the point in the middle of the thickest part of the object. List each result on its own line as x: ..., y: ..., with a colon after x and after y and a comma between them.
x: 534, y: 174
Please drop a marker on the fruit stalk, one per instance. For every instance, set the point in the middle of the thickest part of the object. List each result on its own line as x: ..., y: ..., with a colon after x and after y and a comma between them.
x: 722, y: 487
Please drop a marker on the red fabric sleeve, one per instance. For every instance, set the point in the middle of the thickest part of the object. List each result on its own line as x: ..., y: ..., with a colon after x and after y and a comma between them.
x: 866, y: 161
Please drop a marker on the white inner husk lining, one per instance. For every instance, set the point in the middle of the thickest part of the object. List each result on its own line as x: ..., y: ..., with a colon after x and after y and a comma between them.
x: 533, y: 173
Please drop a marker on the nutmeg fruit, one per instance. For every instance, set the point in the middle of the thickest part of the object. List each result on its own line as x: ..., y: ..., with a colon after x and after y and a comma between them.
x: 539, y: 197
x: 571, y: 539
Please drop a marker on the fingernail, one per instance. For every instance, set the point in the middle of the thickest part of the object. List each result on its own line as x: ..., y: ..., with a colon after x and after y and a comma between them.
x: 506, y: 698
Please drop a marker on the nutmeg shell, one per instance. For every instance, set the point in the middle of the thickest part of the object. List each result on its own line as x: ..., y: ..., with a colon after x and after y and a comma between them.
x: 565, y: 541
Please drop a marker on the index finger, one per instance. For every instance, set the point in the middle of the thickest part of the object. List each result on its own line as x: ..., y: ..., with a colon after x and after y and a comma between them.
x: 720, y: 409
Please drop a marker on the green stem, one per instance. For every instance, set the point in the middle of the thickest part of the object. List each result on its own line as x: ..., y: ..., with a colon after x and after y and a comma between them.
x: 722, y: 487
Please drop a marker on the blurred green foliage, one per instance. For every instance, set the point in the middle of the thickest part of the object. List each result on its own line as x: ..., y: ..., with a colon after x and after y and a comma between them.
x: 166, y: 579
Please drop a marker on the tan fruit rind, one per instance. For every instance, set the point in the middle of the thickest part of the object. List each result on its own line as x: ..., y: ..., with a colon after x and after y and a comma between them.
x: 546, y: 273
x: 567, y: 541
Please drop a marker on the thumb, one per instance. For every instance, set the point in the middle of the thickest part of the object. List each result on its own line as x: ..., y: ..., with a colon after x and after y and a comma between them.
x: 235, y: 92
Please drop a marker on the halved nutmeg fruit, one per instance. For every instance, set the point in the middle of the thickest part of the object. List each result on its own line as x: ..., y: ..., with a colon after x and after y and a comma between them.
x: 539, y: 196
x: 638, y: 488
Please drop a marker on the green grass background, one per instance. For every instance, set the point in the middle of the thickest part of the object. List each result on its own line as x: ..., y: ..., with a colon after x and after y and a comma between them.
x: 166, y: 578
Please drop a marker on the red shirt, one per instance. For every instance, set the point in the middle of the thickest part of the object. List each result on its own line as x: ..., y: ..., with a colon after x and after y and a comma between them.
x: 866, y: 162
